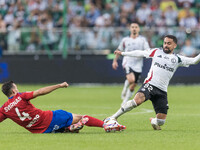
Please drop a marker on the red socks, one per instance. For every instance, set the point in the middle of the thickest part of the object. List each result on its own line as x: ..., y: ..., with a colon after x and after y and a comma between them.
x: 94, y: 122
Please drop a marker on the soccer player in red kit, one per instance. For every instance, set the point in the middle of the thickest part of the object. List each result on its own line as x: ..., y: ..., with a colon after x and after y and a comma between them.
x: 19, y: 109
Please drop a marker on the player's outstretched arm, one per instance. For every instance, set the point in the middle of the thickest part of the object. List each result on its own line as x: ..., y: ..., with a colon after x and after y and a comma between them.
x: 191, y: 61
x: 196, y: 59
x: 135, y: 53
x: 48, y: 89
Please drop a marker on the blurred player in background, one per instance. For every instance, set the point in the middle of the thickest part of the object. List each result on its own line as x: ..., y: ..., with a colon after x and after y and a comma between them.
x: 163, y: 67
x: 132, y: 66
x: 19, y: 109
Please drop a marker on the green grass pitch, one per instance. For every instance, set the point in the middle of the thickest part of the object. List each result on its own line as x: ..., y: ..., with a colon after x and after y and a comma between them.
x: 180, y: 132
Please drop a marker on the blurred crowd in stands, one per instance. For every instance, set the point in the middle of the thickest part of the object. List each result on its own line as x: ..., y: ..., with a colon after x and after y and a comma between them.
x: 30, y: 25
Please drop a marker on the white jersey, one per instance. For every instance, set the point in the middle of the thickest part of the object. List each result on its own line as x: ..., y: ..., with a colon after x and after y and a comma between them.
x: 163, y: 66
x: 129, y: 44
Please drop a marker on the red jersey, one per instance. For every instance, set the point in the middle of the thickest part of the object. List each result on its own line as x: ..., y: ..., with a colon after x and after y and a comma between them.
x: 19, y: 109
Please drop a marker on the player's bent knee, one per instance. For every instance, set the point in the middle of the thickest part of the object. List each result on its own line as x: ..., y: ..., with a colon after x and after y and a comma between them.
x: 76, y: 118
x: 129, y: 105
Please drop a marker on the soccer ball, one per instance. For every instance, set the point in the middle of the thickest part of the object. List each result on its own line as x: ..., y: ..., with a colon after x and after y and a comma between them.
x: 110, y: 121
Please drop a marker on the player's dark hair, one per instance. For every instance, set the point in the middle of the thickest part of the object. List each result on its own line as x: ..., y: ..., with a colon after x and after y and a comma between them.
x: 172, y: 37
x: 133, y: 22
x: 6, y: 88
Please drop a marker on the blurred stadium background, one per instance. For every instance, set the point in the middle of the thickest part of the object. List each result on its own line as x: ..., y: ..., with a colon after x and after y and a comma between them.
x: 48, y: 41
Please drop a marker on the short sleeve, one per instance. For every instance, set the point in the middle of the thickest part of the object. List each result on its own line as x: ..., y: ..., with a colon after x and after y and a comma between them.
x: 27, y: 95
x: 2, y: 116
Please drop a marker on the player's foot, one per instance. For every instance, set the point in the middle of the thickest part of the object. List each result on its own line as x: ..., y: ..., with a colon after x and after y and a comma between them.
x: 114, y: 127
x: 111, y: 125
x: 155, y: 126
x: 78, y: 126
x: 109, y: 119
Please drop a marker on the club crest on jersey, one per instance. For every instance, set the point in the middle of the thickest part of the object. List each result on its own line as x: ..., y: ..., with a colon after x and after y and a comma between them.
x: 173, y: 60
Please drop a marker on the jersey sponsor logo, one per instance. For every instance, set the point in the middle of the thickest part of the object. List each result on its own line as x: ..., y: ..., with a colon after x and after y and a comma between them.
x: 164, y: 67
x: 11, y: 105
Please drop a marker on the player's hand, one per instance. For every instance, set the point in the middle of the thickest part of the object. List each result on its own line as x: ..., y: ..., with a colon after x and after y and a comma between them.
x: 115, y: 65
x: 117, y: 52
x: 64, y: 84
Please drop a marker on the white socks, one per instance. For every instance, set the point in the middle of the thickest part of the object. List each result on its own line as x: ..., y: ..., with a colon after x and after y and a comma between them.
x: 157, y: 121
x: 126, y: 85
x: 125, y: 108
x: 128, y: 96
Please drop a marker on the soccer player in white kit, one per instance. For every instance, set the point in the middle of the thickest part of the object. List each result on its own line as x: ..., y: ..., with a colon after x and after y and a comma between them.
x: 132, y: 65
x: 164, y: 65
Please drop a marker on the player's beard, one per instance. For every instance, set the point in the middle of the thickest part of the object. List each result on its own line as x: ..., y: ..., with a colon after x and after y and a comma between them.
x: 134, y: 33
x: 167, y: 50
